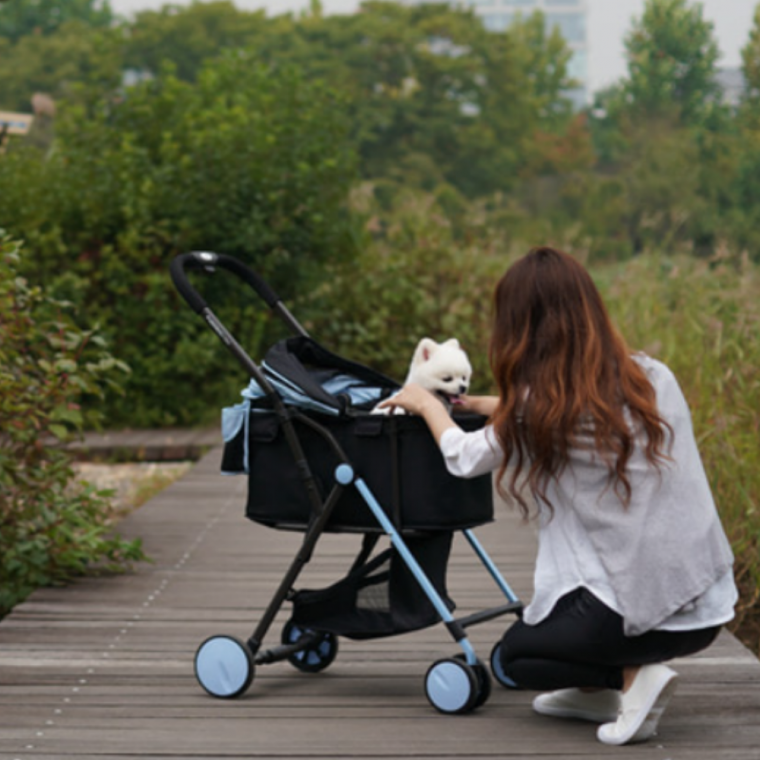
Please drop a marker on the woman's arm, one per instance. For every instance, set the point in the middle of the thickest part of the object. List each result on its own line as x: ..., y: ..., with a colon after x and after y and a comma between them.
x: 485, y: 405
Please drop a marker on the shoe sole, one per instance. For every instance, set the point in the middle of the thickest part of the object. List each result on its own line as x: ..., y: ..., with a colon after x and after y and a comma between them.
x: 562, y: 712
x: 651, y: 714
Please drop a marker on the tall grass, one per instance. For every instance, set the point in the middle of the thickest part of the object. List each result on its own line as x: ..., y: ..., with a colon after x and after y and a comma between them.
x: 702, y: 318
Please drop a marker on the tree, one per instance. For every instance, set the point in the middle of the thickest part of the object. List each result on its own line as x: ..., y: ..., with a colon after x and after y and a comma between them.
x: 22, y: 18
x: 57, y: 63
x: 432, y: 96
x: 435, y: 98
x: 672, y: 55
x: 751, y: 58
x: 744, y: 216
x: 664, y: 131
x: 750, y: 103
x: 189, y: 36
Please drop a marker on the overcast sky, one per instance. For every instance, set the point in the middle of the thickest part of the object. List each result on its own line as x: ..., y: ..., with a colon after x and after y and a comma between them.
x: 609, y: 20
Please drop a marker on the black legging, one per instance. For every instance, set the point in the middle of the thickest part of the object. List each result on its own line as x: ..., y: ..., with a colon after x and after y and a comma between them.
x: 581, y: 643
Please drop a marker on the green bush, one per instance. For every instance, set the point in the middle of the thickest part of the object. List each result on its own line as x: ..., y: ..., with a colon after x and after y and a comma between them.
x: 50, y: 529
x: 249, y: 161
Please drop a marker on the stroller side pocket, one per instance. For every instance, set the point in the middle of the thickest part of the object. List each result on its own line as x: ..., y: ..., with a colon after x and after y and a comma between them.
x: 240, y: 434
x: 235, y: 437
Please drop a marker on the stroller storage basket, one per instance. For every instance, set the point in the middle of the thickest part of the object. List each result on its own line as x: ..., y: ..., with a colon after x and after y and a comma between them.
x: 395, y: 455
x: 380, y: 597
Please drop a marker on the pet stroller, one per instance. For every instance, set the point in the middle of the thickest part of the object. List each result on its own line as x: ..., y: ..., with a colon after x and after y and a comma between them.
x: 318, y: 461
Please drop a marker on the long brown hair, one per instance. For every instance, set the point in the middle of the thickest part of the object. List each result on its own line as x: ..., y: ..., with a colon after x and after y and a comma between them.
x: 565, y: 378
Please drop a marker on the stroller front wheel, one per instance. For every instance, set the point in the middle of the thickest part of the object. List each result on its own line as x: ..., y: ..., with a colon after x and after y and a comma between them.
x: 484, y: 680
x: 452, y: 686
x: 316, y: 655
x: 224, y: 666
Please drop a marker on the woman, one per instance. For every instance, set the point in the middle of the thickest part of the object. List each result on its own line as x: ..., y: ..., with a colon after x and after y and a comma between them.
x: 633, y: 567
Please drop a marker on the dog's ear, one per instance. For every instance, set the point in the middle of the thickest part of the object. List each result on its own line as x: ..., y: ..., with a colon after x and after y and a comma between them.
x: 425, y: 349
x: 452, y: 343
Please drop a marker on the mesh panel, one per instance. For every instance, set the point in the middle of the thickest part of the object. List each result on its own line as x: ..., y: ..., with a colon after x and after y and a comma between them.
x: 376, y: 594
x: 381, y: 597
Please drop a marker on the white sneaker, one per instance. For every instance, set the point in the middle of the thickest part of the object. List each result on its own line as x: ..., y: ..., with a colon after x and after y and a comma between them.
x: 641, y: 706
x: 596, y: 706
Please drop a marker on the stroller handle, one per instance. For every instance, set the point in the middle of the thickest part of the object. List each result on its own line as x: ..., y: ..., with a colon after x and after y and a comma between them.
x: 208, y: 260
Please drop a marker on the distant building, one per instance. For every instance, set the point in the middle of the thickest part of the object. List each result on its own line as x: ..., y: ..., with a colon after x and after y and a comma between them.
x: 732, y: 85
x: 570, y: 16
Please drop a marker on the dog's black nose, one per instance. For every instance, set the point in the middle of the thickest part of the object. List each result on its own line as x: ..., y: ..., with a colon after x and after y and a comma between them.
x: 463, y: 389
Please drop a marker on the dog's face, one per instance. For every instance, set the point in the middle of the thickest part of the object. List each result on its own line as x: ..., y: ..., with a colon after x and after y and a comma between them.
x: 441, y: 368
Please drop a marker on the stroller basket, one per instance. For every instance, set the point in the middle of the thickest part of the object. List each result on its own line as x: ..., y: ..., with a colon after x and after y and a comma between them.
x: 396, y: 456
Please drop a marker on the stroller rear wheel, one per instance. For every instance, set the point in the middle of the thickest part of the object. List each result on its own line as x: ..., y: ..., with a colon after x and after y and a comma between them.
x: 452, y: 686
x: 498, y: 670
x: 224, y: 666
x: 316, y: 655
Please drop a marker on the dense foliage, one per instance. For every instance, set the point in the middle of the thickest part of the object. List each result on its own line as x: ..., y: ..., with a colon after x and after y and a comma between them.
x: 50, y: 531
x: 246, y: 160
x: 43, y: 17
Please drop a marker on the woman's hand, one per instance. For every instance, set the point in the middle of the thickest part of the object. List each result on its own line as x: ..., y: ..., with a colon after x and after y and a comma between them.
x: 415, y: 399
x: 411, y: 398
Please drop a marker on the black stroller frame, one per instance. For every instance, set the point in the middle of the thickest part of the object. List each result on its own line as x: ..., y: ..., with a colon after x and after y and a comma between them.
x: 225, y: 665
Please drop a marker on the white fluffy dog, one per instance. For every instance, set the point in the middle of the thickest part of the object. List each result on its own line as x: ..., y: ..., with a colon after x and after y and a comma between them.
x: 442, y: 369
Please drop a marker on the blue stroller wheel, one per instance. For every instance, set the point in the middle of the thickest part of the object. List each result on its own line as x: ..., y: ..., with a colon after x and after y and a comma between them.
x: 484, y: 680
x: 498, y: 671
x: 451, y: 686
x: 224, y: 666
x: 315, y: 656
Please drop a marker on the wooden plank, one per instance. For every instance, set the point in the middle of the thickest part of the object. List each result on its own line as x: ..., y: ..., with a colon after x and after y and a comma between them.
x: 145, y: 445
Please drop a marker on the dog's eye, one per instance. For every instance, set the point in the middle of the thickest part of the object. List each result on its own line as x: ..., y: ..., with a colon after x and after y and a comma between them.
x: 447, y: 379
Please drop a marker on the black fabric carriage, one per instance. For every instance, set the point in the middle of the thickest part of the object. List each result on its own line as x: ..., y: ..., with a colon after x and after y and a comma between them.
x: 395, y: 454
x: 318, y: 460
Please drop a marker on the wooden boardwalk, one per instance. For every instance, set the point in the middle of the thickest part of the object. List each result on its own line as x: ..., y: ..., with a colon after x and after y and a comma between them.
x: 164, y: 445
x: 104, y: 668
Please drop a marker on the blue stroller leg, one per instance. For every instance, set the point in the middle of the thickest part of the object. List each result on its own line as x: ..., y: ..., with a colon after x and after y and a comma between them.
x: 457, y: 684
x: 490, y: 566
x: 514, y: 606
